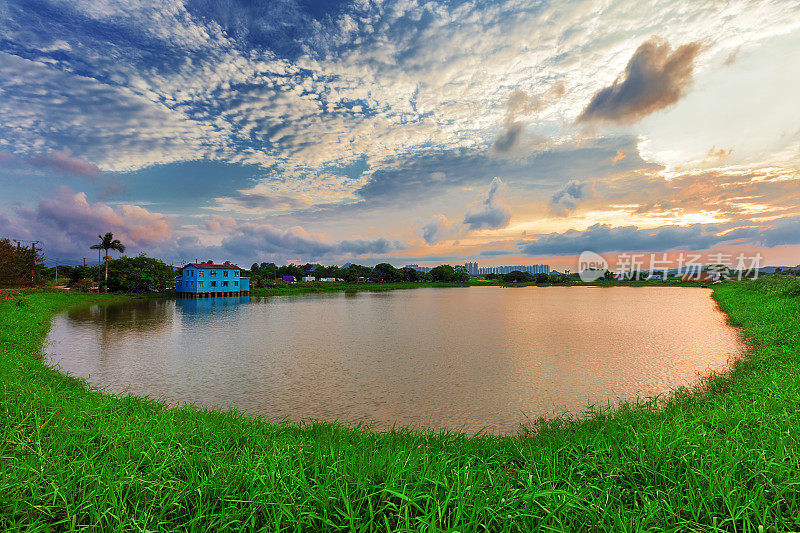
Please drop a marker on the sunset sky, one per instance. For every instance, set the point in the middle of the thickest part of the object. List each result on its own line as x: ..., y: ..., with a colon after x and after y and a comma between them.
x: 405, y: 131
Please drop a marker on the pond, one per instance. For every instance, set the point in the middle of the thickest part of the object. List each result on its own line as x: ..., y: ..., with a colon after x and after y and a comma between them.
x: 463, y: 359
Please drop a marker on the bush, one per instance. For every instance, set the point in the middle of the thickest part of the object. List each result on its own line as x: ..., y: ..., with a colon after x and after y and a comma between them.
x: 19, y: 265
x: 447, y: 273
x: 84, y: 284
x: 775, y: 285
x: 82, y: 273
x: 518, y: 276
x: 139, y: 274
x: 384, y: 272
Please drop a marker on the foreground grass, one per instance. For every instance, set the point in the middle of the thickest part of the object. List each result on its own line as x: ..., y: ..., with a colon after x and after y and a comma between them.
x: 724, y: 458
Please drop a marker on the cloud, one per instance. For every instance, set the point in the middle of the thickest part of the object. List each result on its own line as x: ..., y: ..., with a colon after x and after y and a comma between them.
x: 435, y: 229
x: 67, y: 224
x: 656, y: 77
x: 513, y: 135
x: 731, y: 59
x: 619, y: 157
x: 63, y: 160
x: 603, y: 238
x: 113, y: 126
x: 489, y: 213
x: 259, y: 202
x: 59, y: 164
x: 566, y: 198
x: 717, y: 155
x: 371, y: 114
x: 216, y: 223
x: 786, y: 231
x: 407, y: 180
x: 252, y: 239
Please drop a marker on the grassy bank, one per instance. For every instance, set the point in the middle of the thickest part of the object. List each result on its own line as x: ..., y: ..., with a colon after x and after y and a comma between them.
x: 721, y: 458
x: 300, y: 288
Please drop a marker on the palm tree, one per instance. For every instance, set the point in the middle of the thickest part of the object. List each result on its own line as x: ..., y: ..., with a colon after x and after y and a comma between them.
x: 108, y: 242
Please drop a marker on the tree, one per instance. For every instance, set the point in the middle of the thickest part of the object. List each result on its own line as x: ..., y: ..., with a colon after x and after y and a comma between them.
x: 411, y: 274
x: 64, y: 272
x: 448, y: 273
x: 262, y: 272
x: 291, y: 270
x: 541, y: 277
x: 384, y: 272
x: 352, y: 273
x: 81, y: 273
x: 108, y: 242
x: 518, y: 276
x: 139, y: 274
x: 19, y: 265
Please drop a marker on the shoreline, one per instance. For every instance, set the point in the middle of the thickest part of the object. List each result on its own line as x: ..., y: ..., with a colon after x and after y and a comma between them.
x: 692, y: 456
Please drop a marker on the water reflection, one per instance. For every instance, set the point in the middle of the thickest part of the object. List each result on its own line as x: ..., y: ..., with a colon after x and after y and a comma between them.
x: 209, y: 306
x: 455, y: 358
x: 138, y: 315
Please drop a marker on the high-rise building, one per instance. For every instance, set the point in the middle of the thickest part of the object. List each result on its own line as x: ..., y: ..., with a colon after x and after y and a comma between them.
x: 472, y: 268
x: 418, y: 268
x: 475, y: 270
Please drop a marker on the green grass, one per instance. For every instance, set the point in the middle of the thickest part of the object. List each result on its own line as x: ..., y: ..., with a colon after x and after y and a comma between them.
x: 723, y: 457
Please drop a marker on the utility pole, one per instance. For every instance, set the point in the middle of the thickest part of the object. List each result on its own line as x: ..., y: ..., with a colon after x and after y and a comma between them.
x: 56, y: 270
x: 84, y: 262
x: 33, y: 258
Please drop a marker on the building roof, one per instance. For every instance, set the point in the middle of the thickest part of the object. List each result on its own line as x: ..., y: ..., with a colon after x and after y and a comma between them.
x: 207, y: 265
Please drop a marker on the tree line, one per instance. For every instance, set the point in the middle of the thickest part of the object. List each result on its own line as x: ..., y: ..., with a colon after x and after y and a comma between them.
x: 264, y: 274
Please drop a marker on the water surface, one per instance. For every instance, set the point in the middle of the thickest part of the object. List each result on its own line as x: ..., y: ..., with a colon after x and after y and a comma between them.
x: 457, y: 358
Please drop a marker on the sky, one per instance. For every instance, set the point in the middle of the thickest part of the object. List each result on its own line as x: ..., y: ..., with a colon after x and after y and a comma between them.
x: 506, y: 132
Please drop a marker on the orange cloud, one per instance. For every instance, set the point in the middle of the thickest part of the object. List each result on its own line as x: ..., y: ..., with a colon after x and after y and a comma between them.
x: 619, y: 157
x: 718, y: 155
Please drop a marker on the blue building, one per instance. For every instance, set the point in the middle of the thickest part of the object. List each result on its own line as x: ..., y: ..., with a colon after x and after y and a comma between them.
x: 205, y: 280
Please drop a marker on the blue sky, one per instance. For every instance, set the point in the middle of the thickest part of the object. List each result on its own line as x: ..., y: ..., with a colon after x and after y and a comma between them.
x: 406, y: 131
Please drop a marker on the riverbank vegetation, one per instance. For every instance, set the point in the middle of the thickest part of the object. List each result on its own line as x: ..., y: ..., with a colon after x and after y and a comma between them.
x: 325, y: 286
x: 268, y: 274
x: 721, y: 457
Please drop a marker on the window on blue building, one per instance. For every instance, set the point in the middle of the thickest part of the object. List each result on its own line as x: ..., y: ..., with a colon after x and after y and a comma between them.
x: 213, y: 283
x: 201, y: 274
x: 225, y: 273
x: 201, y: 283
x: 224, y: 283
x: 236, y: 283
